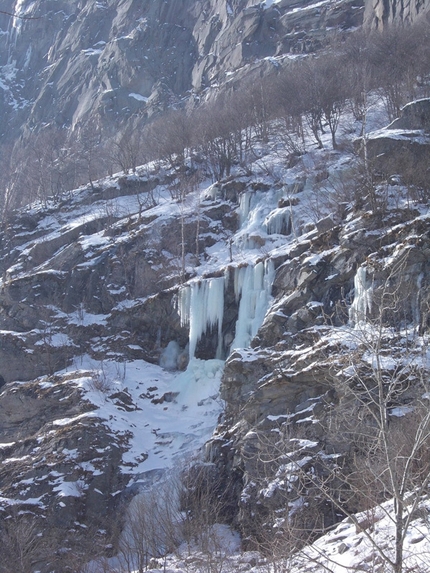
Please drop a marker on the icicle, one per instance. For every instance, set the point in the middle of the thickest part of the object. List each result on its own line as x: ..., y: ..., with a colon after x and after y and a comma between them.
x: 201, y: 306
x: 245, y: 206
x: 363, y: 291
x: 252, y: 286
x: 278, y: 222
x: 184, y: 305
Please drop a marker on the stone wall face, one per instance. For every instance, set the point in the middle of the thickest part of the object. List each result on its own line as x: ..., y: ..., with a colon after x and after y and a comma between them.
x: 379, y: 14
x: 118, y: 64
x: 111, y: 65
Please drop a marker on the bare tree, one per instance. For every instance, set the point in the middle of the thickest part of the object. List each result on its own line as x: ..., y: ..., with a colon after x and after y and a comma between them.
x: 287, y: 99
x: 88, y: 152
x: 153, y: 526
x: 395, y: 55
x: 218, y: 138
x: 261, y: 107
x: 10, y: 191
x: 360, y: 74
x: 22, y: 543
x: 385, y: 392
x: 46, y: 167
x: 206, y: 499
x: 129, y: 151
x: 169, y: 137
x: 333, y: 95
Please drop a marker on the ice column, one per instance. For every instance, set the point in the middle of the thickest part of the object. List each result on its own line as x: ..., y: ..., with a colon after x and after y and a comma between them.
x: 201, y: 306
x: 363, y: 294
x: 246, y: 201
x: 252, y: 287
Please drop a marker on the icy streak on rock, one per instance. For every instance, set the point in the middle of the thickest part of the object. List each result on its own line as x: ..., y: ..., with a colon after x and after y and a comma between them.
x: 245, y: 203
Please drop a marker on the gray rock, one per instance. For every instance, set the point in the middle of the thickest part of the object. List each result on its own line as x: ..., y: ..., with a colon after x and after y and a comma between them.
x: 415, y: 115
x: 380, y: 13
x: 114, y: 62
x: 403, y: 147
x: 58, y: 487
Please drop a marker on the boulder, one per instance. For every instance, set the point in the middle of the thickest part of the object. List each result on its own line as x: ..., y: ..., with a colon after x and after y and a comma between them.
x: 414, y: 115
x: 403, y: 147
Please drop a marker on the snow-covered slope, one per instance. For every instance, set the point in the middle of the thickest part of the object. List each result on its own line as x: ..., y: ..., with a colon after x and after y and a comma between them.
x: 345, y: 548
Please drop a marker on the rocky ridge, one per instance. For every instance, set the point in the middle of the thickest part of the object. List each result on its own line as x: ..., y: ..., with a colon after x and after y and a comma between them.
x: 100, y: 63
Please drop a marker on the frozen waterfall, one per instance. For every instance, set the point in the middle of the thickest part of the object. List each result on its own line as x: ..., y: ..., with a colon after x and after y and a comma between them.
x: 252, y: 287
x: 256, y: 214
x: 201, y: 306
x: 363, y: 294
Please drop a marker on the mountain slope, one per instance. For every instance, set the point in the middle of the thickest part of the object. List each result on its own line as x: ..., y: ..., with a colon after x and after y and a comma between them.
x: 276, y: 268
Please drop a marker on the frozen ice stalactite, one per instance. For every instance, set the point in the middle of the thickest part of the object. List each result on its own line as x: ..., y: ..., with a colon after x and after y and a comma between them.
x: 252, y: 287
x: 246, y: 202
x: 278, y: 222
x: 201, y: 306
x: 363, y: 294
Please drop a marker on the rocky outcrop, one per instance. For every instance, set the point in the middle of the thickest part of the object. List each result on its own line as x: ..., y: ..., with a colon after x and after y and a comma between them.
x: 59, y: 464
x: 379, y: 14
x: 402, y: 148
x: 285, y: 396
x: 414, y: 116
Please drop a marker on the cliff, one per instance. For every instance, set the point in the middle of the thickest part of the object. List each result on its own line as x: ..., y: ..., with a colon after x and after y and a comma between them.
x: 116, y: 63
x: 382, y: 14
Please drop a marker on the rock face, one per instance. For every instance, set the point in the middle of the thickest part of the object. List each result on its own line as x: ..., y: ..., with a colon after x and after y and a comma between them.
x: 62, y: 464
x: 415, y: 115
x: 97, y: 65
x: 114, y: 63
x: 75, y: 284
x: 379, y: 14
x: 293, y: 381
x: 403, y: 147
